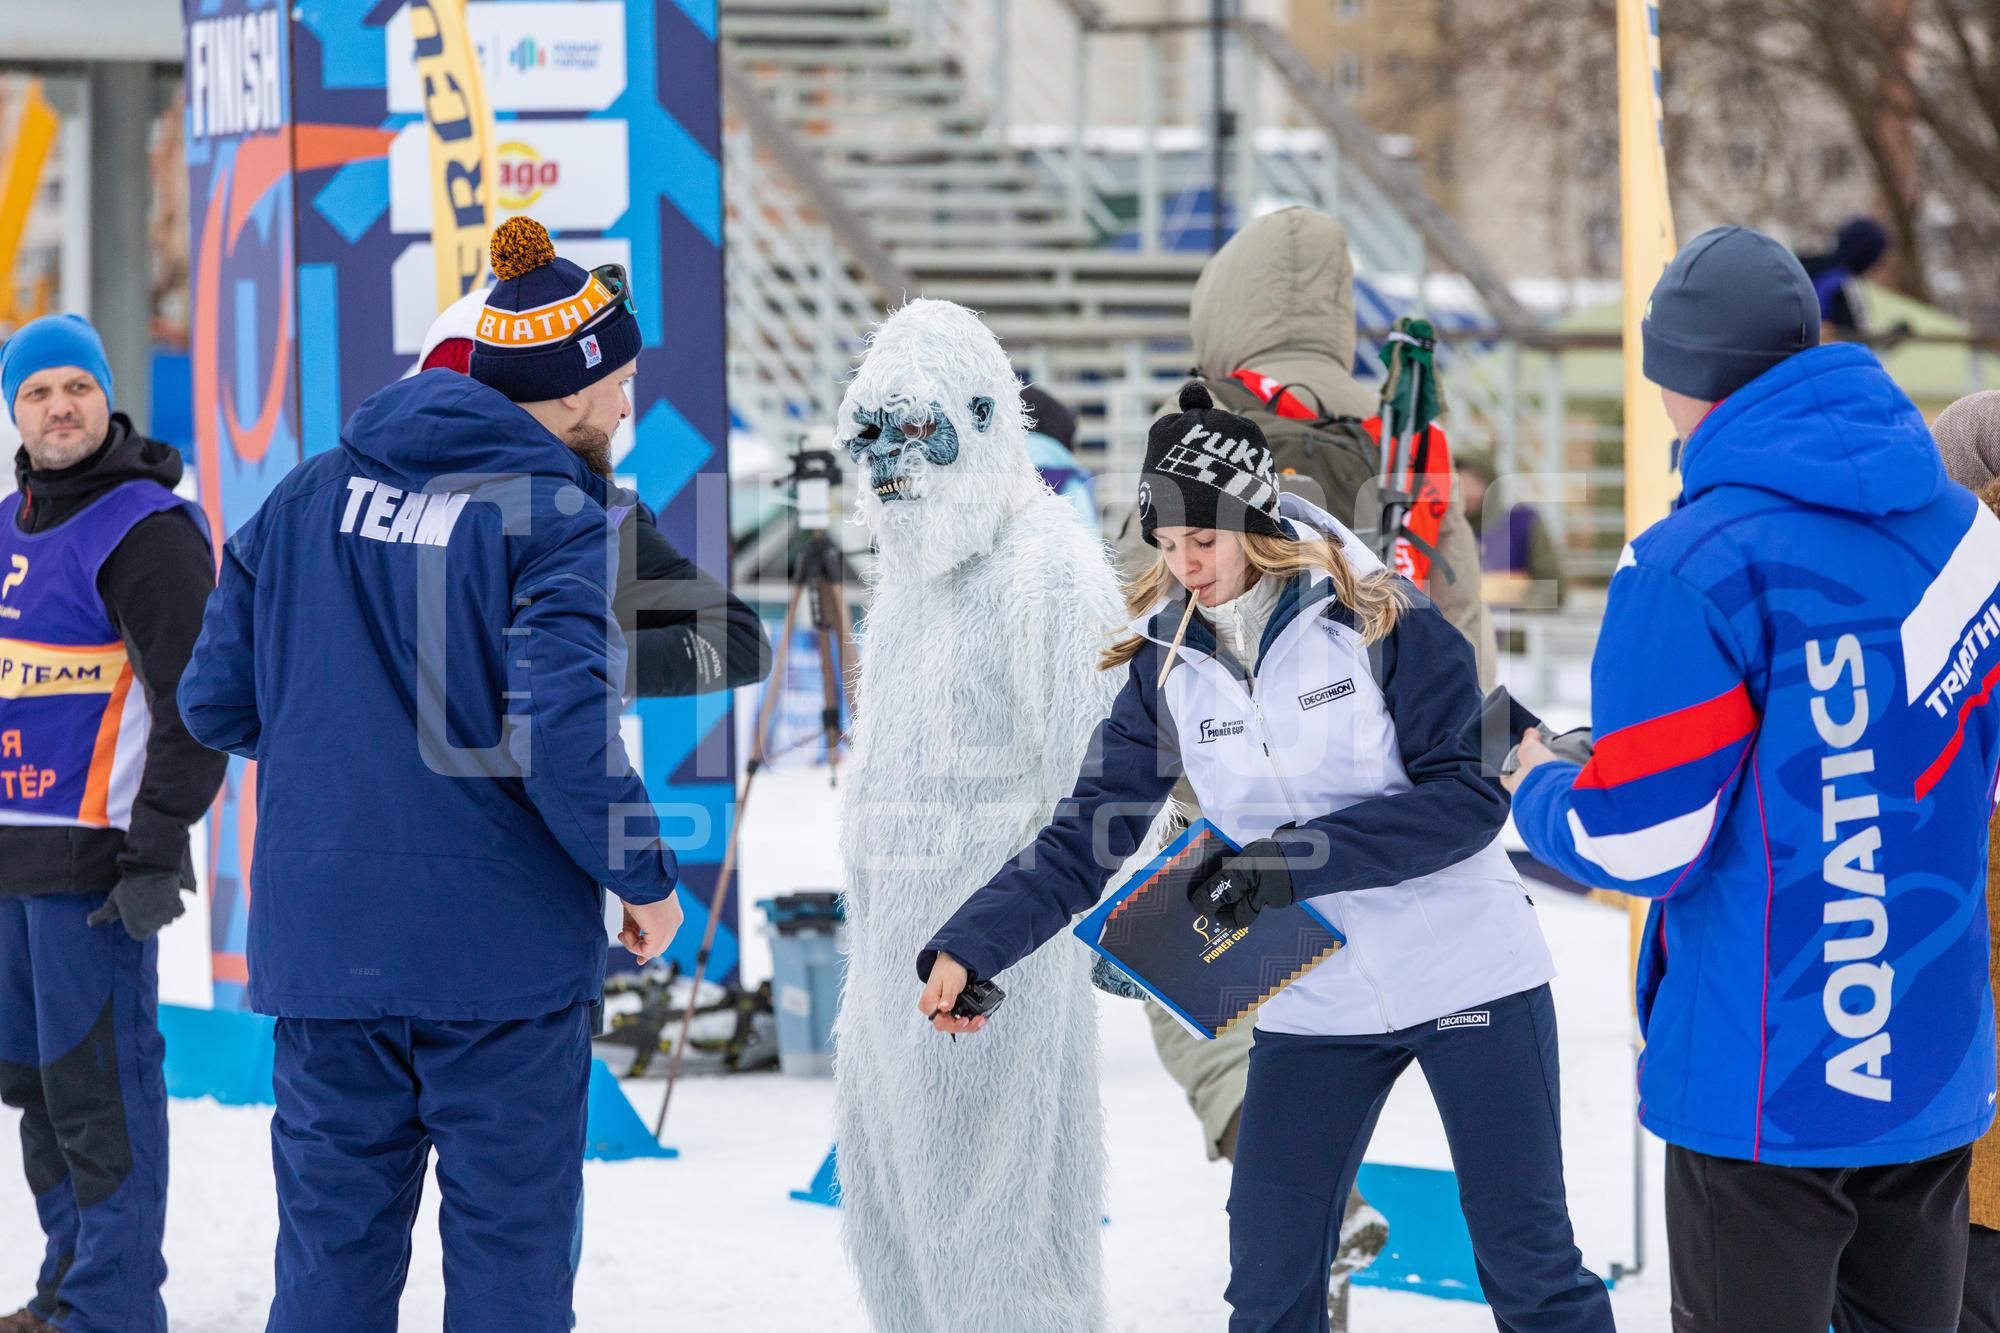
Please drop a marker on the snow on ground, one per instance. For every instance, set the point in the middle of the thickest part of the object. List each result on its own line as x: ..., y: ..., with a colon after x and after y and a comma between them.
x: 711, y: 1242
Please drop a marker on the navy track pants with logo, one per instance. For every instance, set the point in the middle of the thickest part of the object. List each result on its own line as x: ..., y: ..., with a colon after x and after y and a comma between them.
x: 1308, y: 1113
x: 361, y: 1103
x: 80, y: 1058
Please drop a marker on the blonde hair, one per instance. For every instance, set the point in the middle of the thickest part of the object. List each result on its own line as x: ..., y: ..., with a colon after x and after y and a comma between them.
x: 1989, y: 494
x: 1375, y: 599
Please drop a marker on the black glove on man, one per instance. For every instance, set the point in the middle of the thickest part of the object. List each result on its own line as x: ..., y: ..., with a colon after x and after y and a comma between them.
x: 1248, y: 882
x: 144, y: 900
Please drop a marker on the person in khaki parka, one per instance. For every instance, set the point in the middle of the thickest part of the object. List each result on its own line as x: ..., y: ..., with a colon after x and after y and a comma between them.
x: 1279, y: 299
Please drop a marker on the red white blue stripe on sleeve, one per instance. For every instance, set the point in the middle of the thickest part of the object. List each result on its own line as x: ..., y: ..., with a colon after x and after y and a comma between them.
x: 1646, y: 803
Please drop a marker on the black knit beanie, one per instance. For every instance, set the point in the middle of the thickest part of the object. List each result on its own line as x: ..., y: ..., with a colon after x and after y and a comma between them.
x: 1207, y: 468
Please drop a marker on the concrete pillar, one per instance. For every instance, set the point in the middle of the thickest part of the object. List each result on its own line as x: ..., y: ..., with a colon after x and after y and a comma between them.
x: 120, y: 100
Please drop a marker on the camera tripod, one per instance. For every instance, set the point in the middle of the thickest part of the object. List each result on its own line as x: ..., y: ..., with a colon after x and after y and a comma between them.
x: 818, y: 579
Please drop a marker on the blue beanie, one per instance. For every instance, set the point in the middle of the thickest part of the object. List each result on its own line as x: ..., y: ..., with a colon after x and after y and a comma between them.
x: 549, y: 328
x: 1732, y: 304
x: 48, y: 342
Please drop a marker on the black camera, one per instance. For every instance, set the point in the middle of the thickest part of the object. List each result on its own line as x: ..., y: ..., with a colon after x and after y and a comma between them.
x: 814, y: 474
x: 978, y: 999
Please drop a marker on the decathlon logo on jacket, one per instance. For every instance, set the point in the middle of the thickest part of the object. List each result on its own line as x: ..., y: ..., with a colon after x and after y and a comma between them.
x: 1340, y: 689
x: 394, y: 515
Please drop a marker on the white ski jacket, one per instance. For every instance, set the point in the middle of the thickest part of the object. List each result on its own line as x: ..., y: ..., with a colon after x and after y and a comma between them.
x: 1367, y: 746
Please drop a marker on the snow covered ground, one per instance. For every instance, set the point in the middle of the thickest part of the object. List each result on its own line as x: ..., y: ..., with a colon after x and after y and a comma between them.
x: 711, y: 1242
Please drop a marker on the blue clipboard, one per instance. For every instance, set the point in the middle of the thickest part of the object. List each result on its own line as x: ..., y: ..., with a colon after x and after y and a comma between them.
x: 1202, y: 972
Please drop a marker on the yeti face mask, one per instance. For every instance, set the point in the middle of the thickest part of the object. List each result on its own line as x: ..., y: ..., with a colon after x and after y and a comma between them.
x: 899, y: 446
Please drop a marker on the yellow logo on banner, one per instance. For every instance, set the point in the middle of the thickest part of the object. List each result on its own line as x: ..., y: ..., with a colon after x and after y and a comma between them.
x: 33, y: 670
x: 463, y: 177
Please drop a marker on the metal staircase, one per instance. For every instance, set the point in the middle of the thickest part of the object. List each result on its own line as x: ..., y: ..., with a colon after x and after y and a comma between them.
x: 881, y: 149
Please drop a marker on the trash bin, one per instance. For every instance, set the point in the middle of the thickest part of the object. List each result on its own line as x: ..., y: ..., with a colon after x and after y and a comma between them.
x: 807, y: 969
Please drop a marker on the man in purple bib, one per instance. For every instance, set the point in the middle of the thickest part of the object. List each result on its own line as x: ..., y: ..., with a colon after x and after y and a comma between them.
x: 103, y: 575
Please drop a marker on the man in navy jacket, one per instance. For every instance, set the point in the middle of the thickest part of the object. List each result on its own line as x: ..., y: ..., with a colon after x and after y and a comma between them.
x: 413, y: 638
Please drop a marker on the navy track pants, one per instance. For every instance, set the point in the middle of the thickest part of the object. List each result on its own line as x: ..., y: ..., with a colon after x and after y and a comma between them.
x: 80, y: 1058
x: 1308, y: 1114
x: 361, y: 1103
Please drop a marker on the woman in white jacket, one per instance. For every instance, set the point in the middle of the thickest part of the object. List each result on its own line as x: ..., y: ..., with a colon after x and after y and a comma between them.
x: 1319, y: 708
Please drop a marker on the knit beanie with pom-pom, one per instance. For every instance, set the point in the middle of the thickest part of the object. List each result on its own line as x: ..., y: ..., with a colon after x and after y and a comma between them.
x: 550, y: 328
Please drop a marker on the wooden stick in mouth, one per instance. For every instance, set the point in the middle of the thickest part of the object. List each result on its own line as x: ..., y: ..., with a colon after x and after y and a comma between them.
x: 1175, y: 646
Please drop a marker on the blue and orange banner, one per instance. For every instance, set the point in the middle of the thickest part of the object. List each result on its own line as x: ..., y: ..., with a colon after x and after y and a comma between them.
x: 242, y: 336
x: 337, y: 204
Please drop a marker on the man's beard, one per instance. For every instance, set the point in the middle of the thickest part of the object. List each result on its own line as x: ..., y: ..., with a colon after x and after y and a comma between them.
x: 593, y: 446
x: 46, y: 455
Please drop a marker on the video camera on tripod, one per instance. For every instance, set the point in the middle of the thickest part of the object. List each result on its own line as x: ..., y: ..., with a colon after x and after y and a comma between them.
x: 814, y: 474
x: 818, y: 578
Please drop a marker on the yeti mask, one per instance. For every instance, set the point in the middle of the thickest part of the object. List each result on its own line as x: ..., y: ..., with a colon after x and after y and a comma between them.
x: 933, y: 414
x: 890, y: 440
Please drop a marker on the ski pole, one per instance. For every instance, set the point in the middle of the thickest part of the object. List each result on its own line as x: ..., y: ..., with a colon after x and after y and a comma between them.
x: 722, y: 886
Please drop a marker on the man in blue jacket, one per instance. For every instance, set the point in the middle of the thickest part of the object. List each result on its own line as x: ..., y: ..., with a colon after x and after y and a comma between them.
x: 413, y: 638
x: 1792, y: 698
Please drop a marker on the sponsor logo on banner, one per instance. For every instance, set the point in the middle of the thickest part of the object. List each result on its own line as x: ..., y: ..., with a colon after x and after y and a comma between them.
x: 460, y: 129
x: 537, y: 55
x: 233, y: 67
x: 524, y: 175
x: 573, y: 175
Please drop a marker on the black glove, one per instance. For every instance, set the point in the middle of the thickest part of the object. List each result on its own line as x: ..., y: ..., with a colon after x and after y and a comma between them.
x: 144, y: 900
x: 1245, y: 884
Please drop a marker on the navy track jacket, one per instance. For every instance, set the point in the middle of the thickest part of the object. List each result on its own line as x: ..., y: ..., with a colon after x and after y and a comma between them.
x: 413, y: 639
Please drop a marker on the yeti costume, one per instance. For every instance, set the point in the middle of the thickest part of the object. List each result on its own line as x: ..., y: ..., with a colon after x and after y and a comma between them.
x: 971, y: 1170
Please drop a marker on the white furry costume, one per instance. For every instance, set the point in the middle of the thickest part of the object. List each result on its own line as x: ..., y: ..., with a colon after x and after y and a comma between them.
x: 971, y: 1170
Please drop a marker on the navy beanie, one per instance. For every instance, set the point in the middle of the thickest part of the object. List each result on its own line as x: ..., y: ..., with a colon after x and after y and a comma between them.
x: 48, y: 342
x: 549, y: 329
x: 1733, y: 304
